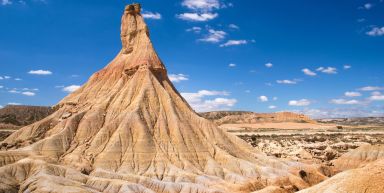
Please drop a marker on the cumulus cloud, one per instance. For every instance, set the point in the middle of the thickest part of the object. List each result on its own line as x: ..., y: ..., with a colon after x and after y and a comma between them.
x: 13, y: 103
x: 376, y: 96
x: 352, y: 94
x: 287, y: 81
x: 40, y: 72
x: 214, y: 36
x: 28, y: 93
x: 232, y: 65
x: 368, y: 6
x: 4, y: 77
x: 202, y: 5
x: 376, y: 31
x: 371, y: 88
x: 71, y: 88
x: 233, y: 26
x: 272, y: 107
x: 327, y: 70
x: 346, y: 67
x: 300, y: 103
x: 14, y: 91
x: 197, y: 16
x: 178, y: 77
x: 151, y: 15
x: 344, y: 102
x: 194, y: 29
x: 6, y: 2
x: 308, y: 72
x: 201, y: 103
x: 263, y: 98
x: 234, y: 43
x: 269, y: 65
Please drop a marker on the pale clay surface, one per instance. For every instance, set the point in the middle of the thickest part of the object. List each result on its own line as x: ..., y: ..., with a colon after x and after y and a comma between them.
x: 128, y: 130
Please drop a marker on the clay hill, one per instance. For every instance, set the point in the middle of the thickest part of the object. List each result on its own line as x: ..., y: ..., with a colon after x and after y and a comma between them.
x: 129, y: 130
x: 363, y: 172
x: 235, y: 117
x: 16, y: 116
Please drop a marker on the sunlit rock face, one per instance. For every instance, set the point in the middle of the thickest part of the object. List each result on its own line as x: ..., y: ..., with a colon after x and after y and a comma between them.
x: 129, y: 130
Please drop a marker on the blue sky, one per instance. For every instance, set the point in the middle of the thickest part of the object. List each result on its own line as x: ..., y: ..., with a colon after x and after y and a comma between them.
x: 323, y: 58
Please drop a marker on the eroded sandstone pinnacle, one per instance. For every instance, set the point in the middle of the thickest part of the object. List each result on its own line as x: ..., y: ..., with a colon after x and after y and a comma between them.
x: 129, y: 130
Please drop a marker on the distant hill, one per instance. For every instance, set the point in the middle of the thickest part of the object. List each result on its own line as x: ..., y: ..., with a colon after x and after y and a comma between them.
x: 232, y: 117
x: 16, y: 116
x: 379, y: 121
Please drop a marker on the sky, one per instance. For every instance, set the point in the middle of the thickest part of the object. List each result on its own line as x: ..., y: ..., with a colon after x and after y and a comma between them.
x: 321, y: 58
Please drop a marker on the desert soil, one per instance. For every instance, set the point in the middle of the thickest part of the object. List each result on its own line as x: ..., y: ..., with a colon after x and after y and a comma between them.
x: 306, y: 142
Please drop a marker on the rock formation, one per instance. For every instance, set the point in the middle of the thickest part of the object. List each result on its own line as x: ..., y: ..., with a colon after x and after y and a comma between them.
x: 129, y: 130
x: 368, y: 179
x: 359, y: 157
x: 16, y: 116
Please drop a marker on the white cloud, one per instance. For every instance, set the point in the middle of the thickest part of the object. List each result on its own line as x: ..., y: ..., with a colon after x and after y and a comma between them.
x: 203, y: 5
x: 352, y: 94
x: 263, y: 98
x: 1, y: 107
x: 232, y: 65
x: 31, y: 89
x: 194, y: 29
x: 344, y: 102
x: 28, y: 93
x: 6, y: 2
x: 18, y: 79
x: 233, y: 26
x: 14, y: 91
x: 308, y: 72
x: 214, y: 36
x: 274, y: 98
x: 368, y: 6
x: 377, y: 98
x: 178, y: 77
x: 151, y: 15
x: 327, y: 70
x: 40, y: 72
x: 1, y: 86
x: 300, y: 103
x: 269, y: 65
x: 12, y: 103
x: 376, y: 31
x: 286, y: 81
x: 7, y: 77
x: 346, y: 67
x: 200, y: 102
x: 71, y: 88
x: 371, y: 88
x: 234, y: 43
x: 197, y: 16
x: 272, y: 107
x: 361, y: 20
